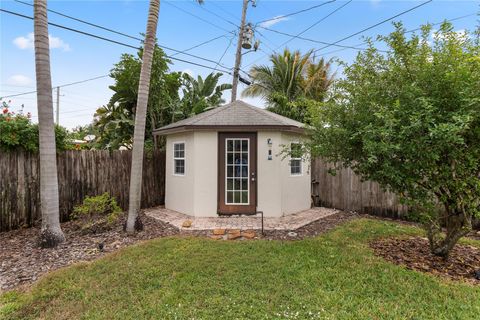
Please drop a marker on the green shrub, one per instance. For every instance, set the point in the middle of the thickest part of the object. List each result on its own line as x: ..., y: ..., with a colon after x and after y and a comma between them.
x: 18, y: 132
x: 97, y: 213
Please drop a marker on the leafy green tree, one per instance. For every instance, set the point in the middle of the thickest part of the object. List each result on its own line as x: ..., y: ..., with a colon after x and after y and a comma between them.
x: 201, y: 94
x: 410, y: 120
x: 115, y: 121
x: 290, y: 81
x: 114, y: 125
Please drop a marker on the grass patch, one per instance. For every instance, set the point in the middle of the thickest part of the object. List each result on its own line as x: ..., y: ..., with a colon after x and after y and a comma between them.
x: 334, y: 276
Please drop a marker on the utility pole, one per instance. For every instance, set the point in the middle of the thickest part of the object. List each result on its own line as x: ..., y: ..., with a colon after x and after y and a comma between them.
x: 58, y: 106
x: 238, y: 55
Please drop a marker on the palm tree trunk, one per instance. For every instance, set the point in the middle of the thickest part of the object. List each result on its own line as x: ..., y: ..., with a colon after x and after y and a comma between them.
x: 51, y: 232
x: 133, y: 222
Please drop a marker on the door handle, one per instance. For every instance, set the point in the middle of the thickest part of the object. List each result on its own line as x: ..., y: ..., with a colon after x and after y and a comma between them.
x: 253, y: 179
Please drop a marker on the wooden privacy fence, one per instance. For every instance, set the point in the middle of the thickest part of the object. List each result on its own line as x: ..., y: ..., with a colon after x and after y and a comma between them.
x: 93, y: 172
x: 80, y: 174
x: 346, y: 191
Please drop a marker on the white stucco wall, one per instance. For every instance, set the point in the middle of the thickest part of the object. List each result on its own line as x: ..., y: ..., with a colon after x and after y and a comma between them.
x: 296, y: 189
x: 205, y: 173
x: 269, y: 182
x: 179, y: 189
x: 195, y: 193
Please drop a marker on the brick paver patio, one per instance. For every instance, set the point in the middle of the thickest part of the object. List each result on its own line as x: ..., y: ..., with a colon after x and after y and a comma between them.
x: 288, y: 222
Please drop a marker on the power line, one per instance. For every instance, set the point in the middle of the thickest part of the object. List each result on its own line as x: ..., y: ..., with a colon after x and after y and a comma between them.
x: 312, y: 40
x: 120, y: 33
x: 316, y: 23
x: 267, y: 40
x: 124, y: 44
x: 114, y: 31
x: 218, y: 16
x: 375, y: 25
x: 298, y: 36
x: 219, y: 7
x: 81, y: 110
x: 305, y: 30
x: 408, y: 31
x: 198, y: 17
x: 63, y: 85
x: 449, y: 20
x: 296, y: 12
x: 201, y: 44
x: 356, y: 46
x: 224, y: 52
x: 84, y: 21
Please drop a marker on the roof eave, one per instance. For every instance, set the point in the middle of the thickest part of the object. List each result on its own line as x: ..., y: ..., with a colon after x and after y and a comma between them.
x: 237, y: 128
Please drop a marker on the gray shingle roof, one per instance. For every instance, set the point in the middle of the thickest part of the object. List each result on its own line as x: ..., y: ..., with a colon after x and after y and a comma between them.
x: 235, y: 114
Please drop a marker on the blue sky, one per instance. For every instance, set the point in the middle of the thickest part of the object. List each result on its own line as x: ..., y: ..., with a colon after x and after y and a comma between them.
x: 75, y: 57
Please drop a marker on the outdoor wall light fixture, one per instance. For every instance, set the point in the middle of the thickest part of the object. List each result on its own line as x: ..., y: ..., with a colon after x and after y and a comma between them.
x: 269, y: 143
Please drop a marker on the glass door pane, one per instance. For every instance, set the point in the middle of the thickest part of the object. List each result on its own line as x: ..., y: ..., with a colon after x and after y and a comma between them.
x: 237, y: 171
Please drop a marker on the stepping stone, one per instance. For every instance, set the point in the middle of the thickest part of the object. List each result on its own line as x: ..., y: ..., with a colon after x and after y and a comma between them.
x: 248, y: 234
x: 218, y: 232
x: 234, y: 234
x: 187, y: 224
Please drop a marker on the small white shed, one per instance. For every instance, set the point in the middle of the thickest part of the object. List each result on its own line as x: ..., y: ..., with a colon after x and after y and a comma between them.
x: 229, y: 161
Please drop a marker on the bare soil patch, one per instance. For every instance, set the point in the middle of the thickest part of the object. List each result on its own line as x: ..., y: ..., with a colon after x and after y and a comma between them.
x: 414, y: 253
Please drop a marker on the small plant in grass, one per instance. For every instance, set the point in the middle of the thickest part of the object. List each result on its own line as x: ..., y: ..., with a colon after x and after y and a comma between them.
x: 97, y: 214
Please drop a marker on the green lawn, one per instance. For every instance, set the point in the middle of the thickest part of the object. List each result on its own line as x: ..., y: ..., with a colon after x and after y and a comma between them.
x: 334, y: 276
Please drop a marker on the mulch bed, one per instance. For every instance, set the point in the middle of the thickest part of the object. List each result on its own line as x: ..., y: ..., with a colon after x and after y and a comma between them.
x: 414, y: 253
x: 22, y: 261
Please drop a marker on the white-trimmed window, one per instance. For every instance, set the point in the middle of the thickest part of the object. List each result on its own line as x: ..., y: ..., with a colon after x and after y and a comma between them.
x: 179, y: 158
x: 295, y: 159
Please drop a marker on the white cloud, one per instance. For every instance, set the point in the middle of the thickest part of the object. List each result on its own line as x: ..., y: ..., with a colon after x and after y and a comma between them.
x: 27, y: 42
x: 57, y: 43
x: 273, y: 21
x: 19, y: 80
x: 24, y: 42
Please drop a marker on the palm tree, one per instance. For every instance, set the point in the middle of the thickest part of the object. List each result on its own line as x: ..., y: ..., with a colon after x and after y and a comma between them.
x: 318, y: 79
x: 285, y: 76
x: 51, y: 233
x: 291, y: 75
x: 202, y: 94
x: 140, y: 118
x: 292, y: 84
